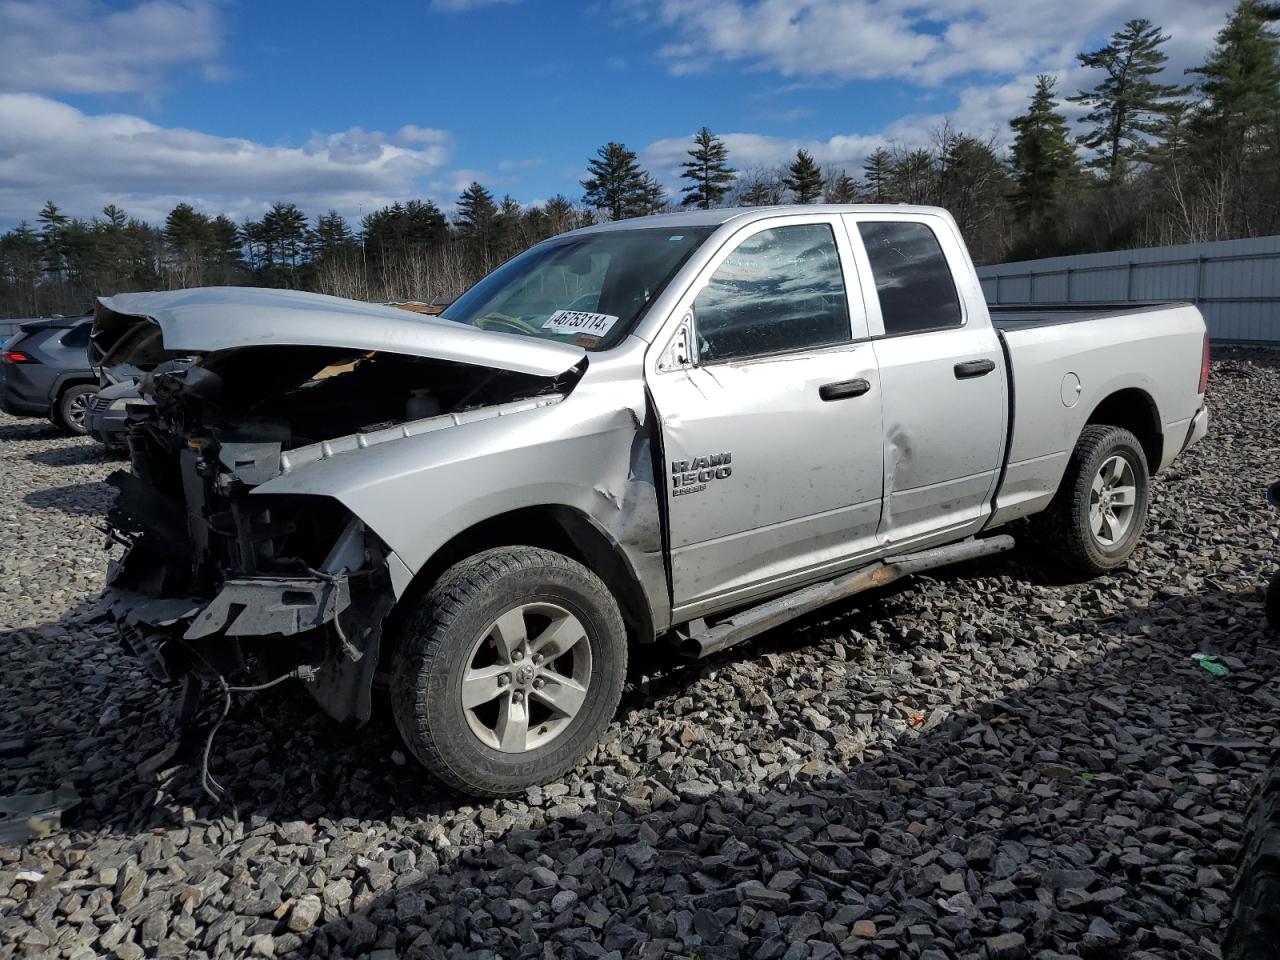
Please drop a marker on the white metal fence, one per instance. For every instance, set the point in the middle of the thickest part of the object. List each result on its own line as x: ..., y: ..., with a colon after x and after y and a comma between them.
x: 1236, y: 283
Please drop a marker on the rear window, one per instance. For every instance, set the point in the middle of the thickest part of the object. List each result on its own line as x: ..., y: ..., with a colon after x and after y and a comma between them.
x: 913, y: 279
x: 77, y: 336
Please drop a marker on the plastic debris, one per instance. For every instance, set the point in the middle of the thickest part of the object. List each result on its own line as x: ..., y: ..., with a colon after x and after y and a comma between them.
x: 1212, y: 663
x: 28, y: 816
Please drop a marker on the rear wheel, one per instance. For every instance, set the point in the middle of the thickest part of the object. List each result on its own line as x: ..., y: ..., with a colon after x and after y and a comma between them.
x: 508, y: 670
x: 1097, y: 517
x: 72, y: 411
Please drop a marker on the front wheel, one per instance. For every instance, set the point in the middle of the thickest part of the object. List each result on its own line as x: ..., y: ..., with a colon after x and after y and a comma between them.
x: 1097, y: 516
x: 508, y: 670
x: 72, y: 411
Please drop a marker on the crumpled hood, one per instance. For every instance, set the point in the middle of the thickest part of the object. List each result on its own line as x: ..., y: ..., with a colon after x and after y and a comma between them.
x: 209, y: 319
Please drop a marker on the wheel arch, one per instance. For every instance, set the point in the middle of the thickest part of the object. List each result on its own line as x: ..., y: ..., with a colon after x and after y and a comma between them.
x: 66, y: 381
x: 1133, y: 409
x: 563, y: 529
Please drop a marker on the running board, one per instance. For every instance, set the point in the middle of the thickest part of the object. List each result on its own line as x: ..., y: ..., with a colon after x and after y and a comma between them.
x: 755, y: 620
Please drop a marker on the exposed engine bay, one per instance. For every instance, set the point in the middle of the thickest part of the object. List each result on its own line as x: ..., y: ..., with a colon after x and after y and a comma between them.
x: 220, y: 581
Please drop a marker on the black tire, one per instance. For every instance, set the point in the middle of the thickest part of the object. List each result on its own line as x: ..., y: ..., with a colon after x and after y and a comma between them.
x: 1065, y: 527
x: 71, y: 410
x: 439, y: 637
x: 1271, y: 604
x: 1253, y: 931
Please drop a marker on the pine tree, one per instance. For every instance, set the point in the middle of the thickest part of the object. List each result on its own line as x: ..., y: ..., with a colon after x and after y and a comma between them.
x: 53, y: 237
x: 225, y: 243
x: 186, y: 229
x: 1236, y: 129
x: 651, y: 197
x: 332, y: 232
x: 559, y: 214
x: 840, y: 188
x: 508, y: 223
x: 114, y: 216
x: 877, y: 174
x: 476, y: 211
x: 1126, y: 106
x: 914, y: 177
x: 708, y: 169
x: 803, y: 178
x: 972, y: 184
x: 1043, y: 158
x: 283, y: 235
x: 20, y: 264
x: 614, y: 182
x: 1240, y: 82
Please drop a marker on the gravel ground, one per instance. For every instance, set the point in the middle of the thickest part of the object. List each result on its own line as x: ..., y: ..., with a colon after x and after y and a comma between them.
x: 987, y: 763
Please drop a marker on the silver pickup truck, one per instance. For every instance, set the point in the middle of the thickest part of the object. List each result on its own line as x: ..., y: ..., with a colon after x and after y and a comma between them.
x: 694, y: 426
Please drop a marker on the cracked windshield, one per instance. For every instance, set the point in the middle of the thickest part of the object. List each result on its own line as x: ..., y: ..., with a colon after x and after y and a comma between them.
x: 586, y: 290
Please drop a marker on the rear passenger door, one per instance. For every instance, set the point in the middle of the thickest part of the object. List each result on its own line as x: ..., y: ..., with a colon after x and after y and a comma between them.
x: 769, y: 403
x: 942, y: 373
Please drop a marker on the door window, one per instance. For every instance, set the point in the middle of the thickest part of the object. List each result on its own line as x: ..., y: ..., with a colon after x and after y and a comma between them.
x: 781, y: 289
x: 913, y: 279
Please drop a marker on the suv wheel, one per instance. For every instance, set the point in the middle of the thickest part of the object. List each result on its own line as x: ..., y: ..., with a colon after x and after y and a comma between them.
x: 73, y: 409
x: 508, y: 670
x: 1098, y: 515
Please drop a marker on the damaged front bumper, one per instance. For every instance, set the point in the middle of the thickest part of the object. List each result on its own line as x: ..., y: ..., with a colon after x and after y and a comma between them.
x: 325, y: 627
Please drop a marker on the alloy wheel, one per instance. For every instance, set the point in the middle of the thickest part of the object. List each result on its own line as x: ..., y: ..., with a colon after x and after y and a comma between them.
x: 527, y: 677
x: 1113, y: 499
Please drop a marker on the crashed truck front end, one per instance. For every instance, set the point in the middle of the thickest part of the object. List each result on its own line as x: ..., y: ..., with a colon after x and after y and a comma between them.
x: 220, y: 578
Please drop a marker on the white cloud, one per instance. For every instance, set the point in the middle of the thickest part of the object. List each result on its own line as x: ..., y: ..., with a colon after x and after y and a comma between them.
x: 88, y: 46
x: 997, y: 46
x: 982, y: 111
x: 50, y: 150
x: 924, y: 44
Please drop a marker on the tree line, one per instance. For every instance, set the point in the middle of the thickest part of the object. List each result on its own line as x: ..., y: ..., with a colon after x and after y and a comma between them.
x: 1154, y: 163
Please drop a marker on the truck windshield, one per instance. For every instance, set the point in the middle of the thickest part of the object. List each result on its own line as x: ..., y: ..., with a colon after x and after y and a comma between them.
x: 588, y: 289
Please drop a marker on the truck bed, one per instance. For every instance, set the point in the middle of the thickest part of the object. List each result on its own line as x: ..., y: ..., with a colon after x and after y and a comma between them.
x: 1062, y: 367
x: 1019, y: 316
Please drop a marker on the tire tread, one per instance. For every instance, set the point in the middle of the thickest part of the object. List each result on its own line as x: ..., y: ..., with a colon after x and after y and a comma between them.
x: 1059, y: 526
x: 426, y: 630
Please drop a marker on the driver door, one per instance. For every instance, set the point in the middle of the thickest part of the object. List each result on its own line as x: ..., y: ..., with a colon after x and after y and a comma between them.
x: 771, y: 423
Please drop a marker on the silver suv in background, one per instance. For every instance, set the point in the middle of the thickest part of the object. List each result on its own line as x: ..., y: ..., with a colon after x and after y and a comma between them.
x: 694, y: 426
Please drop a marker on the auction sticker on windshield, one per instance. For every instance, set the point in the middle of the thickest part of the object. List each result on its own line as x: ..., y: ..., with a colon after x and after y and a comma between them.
x: 579, y: 321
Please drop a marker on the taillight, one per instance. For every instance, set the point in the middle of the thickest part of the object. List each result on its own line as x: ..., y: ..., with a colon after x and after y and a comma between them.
x: 1204, y: 366
x: 14, y: 356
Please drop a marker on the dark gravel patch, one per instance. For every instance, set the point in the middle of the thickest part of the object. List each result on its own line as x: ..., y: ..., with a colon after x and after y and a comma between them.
x: 985, y: 763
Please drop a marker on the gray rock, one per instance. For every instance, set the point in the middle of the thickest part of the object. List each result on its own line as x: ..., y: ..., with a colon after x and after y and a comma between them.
x: 304, y: 913
x: 1007, y: 946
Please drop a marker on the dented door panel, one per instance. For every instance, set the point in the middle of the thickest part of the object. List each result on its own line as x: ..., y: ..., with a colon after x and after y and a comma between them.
x: 943, y: 437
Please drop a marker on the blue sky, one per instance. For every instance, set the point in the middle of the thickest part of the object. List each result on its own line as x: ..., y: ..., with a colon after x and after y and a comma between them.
x: 233, y: 104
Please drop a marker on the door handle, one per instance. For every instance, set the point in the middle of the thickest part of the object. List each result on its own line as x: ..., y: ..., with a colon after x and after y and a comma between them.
x: 843, y: 388
x: 974, y: 368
